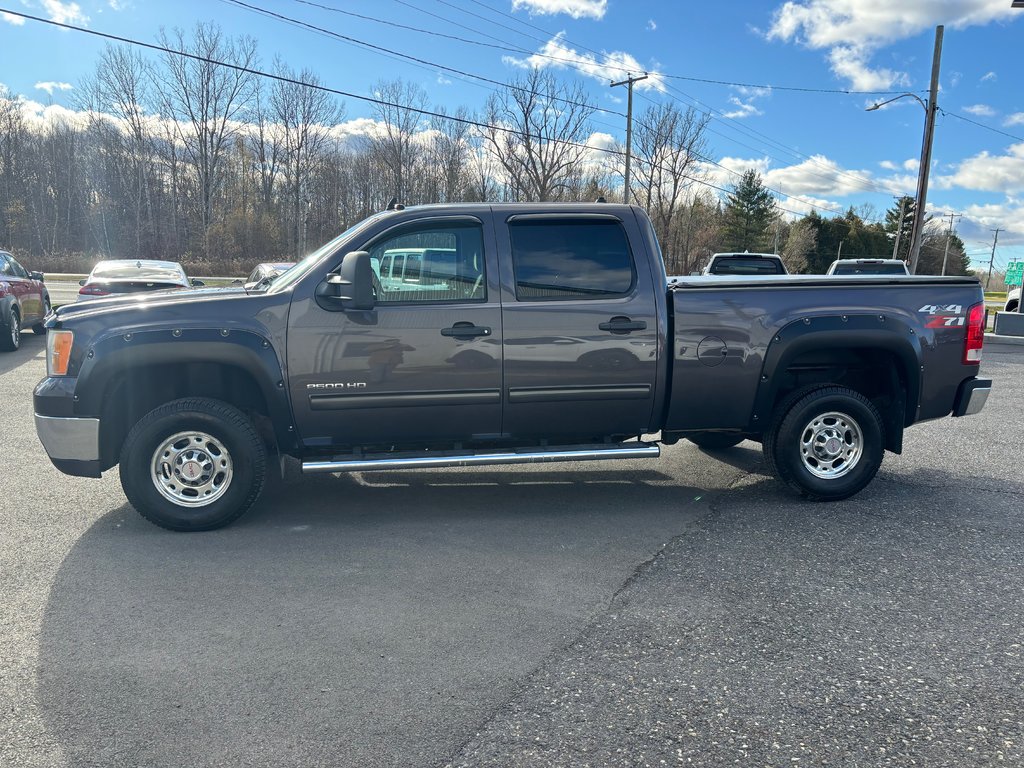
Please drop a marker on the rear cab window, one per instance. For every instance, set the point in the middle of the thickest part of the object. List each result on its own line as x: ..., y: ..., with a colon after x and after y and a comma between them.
x: 570, y: 258
x: 746, y: 265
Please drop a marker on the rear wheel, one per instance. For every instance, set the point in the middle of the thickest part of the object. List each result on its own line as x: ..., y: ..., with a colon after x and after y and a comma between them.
x: 828, y: 445
x: 715, y: 441
x: 193, y: 465
x: 10, y: 330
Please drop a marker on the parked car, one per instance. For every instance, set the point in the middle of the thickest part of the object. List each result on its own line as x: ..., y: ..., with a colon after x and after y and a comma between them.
x: 265, y: 272
x: 868, y: 267
x: 192, y: 393
x: 1012, y: 300
x: 24, y: 302
x: 117, y: 276
x: 745, y: 264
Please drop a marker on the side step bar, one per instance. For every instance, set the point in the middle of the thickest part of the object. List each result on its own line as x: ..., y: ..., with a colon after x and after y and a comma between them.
x: 466, y: 459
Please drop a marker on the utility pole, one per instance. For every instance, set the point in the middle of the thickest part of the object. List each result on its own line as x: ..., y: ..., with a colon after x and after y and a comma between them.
x: 991, y: 261
x: 899, y: 228
x: 949, y: 236
x: 926, y: 154
x: 628, y: 82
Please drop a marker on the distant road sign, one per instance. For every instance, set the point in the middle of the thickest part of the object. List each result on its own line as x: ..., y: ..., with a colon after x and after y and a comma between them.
x: 1014, y: 272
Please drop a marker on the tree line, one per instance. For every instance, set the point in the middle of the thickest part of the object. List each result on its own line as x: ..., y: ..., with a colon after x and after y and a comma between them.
x: 186, y: 159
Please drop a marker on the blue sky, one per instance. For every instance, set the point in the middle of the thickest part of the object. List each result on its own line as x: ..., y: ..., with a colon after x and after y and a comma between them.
x: 815, y: 148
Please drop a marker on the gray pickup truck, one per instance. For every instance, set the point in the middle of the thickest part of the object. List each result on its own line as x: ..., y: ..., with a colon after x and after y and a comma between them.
x: 542, y: 333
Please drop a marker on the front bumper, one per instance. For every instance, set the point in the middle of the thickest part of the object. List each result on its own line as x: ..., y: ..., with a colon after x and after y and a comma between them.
x: 971, y: 397
x: 72, y: 444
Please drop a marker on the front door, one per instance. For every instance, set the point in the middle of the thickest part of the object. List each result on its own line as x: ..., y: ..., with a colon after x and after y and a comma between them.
x: 580, y: 331
x: 424, y: 365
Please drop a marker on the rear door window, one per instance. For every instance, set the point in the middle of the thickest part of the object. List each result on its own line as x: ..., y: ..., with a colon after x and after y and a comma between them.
x: 571, y: 259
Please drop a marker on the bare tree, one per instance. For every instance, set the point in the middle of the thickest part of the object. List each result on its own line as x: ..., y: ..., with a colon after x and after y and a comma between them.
x: 537, y: 131
x: 448, y: 156
x: 396, y: 146
x: 801, y: 241
x: 305, y: 116
x: 12, y: 141
x: 668, y: 145
x: 208, y: 101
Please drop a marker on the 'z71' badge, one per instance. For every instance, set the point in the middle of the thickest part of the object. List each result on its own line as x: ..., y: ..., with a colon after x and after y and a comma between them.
x: 943, y: 315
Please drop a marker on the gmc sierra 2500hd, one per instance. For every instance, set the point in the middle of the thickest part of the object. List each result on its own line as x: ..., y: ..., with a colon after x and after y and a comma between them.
x: 545, y: 333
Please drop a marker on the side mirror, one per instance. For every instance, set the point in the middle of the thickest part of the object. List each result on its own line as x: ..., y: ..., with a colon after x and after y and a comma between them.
x: 36, y: 276
x: 352, y: 286
x: 81, y: 282
x: 197, y: 283
x: 237, y: 281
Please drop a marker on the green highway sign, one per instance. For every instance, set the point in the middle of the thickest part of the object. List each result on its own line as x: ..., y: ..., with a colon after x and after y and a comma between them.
x: 1014, y: 272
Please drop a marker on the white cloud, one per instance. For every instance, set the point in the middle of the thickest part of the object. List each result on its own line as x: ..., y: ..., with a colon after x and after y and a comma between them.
x: 50, y: 86
x: 652, y: 25
x: 578, y: 9
x: 989, y: 77
x: 955, y: 79
x: 989, y: 173
x: 981, y: 110
x: 442, y: 80
x: 852, y: 30
x: 11, y: 19
x: 888, y: 165
x: 743, y: 109
x: 980, y: 219
x: 1017, y: 118
x: 64, y: 13
x: 612, y: 66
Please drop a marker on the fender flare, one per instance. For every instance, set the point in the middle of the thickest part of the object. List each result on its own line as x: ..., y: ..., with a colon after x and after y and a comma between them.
x: 860, y: 331
x: 109, y: 358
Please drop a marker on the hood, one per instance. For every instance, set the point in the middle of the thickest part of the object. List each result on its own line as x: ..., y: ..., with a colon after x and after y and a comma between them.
x: 147, y: 300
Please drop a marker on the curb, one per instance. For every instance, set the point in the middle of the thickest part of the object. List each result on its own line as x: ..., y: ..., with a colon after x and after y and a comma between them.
x: 1010, y: 341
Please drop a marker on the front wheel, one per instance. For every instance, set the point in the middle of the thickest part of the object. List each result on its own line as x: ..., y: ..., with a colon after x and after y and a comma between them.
x: 829, y: 444
x: 193, y: 465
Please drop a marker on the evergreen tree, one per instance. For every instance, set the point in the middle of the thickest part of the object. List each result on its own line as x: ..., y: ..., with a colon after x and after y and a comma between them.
x: 749, y: 215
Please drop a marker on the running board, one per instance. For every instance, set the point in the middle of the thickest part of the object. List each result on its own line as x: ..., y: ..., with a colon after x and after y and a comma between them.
x: 466, y: 459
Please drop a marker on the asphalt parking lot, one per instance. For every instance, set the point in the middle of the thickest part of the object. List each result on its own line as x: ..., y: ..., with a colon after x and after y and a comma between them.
x: 684, y: 611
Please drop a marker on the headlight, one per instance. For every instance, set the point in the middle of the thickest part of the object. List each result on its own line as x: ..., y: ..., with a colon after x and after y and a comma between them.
x: 58, y: 352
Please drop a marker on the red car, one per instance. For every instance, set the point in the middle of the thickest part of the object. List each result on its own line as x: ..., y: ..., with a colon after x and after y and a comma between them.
x: 24, y: 302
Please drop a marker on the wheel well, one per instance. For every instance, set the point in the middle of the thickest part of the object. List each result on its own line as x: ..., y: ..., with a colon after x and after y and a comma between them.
x: 138, y: 391
x: 878, y: 374
x: 1011, y: 306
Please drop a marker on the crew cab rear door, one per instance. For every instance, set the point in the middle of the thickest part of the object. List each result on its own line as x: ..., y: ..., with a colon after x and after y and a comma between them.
x: 424, y: 365
x: 580, y: 326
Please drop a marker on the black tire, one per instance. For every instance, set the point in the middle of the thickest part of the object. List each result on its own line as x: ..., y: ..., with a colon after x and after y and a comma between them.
x: 860, y: 428
x: 715, y: 441
x: 228, y: 429
x: 778, y: 414
x: 39, y: 329
x: 10, y: 330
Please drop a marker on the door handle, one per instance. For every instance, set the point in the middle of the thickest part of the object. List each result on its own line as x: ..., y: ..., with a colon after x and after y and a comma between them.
x: 623, y: 325
x: 466, y: 330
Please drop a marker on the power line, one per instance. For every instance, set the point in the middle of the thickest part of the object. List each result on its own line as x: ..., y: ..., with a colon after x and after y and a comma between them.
x: 357, y: 97
x: 981, y: 125
x: 710, y: 81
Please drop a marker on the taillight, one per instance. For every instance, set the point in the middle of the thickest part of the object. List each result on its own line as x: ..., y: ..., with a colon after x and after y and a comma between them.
x: 58, y: 352
x: 975, y: 334
x: 92, y: 290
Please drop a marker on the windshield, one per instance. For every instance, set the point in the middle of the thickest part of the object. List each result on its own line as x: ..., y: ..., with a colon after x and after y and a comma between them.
x: 296, y: 273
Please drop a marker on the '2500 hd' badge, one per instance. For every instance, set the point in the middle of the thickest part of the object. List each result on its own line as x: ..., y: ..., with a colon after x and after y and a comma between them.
x: 338, y: 385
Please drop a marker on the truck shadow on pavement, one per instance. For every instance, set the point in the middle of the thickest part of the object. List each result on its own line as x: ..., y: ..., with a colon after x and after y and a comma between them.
x: 354, y: 620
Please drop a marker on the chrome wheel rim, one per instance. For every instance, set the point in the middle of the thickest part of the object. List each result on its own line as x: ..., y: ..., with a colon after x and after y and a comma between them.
x: 831, y: 445
x: 192, y: 469
x: 15, y: 328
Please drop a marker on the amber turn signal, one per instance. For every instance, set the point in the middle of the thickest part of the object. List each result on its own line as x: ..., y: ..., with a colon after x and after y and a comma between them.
x: 58, y: 352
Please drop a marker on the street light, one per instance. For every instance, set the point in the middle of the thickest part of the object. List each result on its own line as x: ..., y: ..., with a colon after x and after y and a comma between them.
x: 930, y: 108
